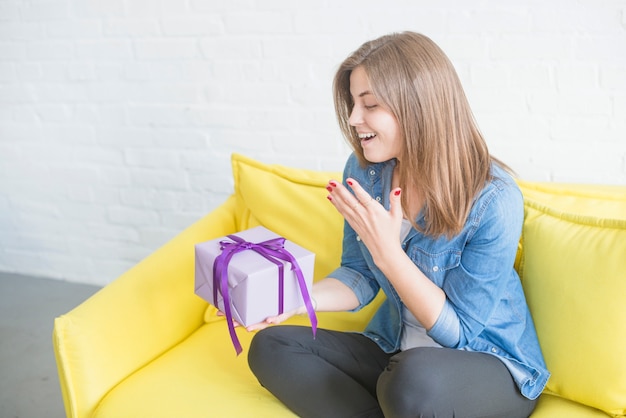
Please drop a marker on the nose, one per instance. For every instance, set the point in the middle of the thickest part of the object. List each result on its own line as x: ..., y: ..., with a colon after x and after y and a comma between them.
x: 356, y: 117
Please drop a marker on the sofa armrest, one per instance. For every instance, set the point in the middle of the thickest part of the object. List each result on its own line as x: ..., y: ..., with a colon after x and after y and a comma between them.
x: 135, y: 319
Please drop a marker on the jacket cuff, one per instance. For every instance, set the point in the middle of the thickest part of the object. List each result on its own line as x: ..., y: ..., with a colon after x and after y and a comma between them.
x: 359, y: 285
x: 446, y: 331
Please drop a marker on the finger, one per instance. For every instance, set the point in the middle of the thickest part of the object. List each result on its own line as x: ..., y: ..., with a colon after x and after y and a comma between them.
x: 258, y: 327
x: 235, y: 323
x: 272, y: 320
x: 361, y: 195
x: 275, y: 320
x: 342, y: 198
x: 395, y: 202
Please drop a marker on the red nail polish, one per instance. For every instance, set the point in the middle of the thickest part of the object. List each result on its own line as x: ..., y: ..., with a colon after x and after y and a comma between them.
x: 330, y: 189
x: 349, y: 182
x: 329, y: 198
x: 396, y: 193
x: 333, y: 183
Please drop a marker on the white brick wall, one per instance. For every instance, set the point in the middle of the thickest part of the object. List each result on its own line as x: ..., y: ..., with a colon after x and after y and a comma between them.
x: 117, y: 117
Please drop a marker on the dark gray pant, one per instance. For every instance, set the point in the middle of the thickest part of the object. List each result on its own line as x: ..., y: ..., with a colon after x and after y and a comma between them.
x: 341, y: 374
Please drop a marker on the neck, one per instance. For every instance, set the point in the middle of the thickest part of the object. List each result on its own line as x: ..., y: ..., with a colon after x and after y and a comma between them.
x: 410, y: 193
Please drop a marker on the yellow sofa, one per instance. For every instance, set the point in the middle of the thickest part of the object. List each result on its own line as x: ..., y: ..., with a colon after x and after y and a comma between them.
x: 147, y: 346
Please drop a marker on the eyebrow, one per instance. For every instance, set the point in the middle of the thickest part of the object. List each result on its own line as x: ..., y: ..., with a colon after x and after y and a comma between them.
x: 365, y: 93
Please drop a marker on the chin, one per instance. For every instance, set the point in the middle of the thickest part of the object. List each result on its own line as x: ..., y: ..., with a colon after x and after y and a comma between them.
x: 374, y: 159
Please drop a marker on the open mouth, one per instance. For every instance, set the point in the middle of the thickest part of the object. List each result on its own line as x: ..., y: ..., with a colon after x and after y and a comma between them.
x: 367, y: 137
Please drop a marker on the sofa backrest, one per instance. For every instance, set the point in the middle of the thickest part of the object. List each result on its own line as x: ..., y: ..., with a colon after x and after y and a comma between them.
x: 573, y: 269
x: 292, y: 203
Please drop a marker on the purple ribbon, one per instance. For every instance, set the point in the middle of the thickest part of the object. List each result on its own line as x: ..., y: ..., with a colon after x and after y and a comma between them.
x: 274, y: 251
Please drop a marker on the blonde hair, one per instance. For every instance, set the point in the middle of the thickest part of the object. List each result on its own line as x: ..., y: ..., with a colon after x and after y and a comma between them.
x: 445, y: 158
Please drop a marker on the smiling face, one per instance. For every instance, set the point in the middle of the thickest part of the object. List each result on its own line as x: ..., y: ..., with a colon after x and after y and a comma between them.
x: 377, y: 128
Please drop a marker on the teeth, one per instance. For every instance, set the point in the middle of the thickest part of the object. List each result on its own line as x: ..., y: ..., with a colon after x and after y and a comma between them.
x: 367, y: 136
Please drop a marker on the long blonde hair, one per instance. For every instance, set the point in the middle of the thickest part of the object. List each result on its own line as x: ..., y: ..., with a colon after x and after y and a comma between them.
x: 445, y: 158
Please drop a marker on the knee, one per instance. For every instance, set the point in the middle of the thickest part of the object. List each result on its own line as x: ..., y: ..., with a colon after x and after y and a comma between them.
x: 262, y: 348
x: 272, y: 350
x: 409, y: 386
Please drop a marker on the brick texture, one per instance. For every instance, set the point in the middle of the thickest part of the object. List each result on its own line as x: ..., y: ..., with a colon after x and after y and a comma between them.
x: 117, y: 117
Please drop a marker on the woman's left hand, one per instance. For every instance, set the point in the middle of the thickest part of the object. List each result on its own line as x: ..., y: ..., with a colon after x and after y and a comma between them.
x: 378, y: 228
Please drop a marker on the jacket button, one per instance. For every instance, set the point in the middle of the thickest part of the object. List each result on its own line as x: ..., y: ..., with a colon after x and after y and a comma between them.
x: 494, y: 350
x: 378, y: 198
x: 436, y: 268
x: 358, y: 238
x: 372, y: 173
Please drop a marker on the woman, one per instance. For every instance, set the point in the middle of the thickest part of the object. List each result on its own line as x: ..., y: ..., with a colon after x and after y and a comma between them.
x: 434, y: 221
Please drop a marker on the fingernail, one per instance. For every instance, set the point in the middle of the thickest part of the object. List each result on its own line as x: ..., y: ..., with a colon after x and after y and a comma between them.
x: 329, y: 198
x: 397, y: 192
x: 330, y: 189
x: 349, y: 182
x: 333, y: 183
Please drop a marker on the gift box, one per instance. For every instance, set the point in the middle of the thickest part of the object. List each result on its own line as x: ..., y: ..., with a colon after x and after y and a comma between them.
x: 252, y: 275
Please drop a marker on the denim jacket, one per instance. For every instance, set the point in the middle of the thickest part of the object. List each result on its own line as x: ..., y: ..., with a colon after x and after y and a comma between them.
x: 485, y: 308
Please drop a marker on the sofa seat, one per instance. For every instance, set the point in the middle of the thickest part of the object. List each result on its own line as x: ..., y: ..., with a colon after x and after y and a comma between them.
x: 551, y: 406
x: 187, y: 382
x: 215, y: 383
x: 221, y: 384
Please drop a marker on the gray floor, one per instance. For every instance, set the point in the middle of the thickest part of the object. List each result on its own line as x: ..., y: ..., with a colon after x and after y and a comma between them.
x: 29, y: 384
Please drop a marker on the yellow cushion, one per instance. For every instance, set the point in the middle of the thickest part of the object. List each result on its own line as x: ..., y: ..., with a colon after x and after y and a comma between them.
x: 550, y: 406
x: 573, y: 269
x: 292, y: 203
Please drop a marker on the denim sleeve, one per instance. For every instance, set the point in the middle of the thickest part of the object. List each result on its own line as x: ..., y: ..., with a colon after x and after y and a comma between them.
x: 476, y: 287
x: 446, y: 329
x: 362, y: 287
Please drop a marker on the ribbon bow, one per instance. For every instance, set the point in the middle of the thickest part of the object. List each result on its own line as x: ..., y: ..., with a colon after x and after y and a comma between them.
x: 274, y: 251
